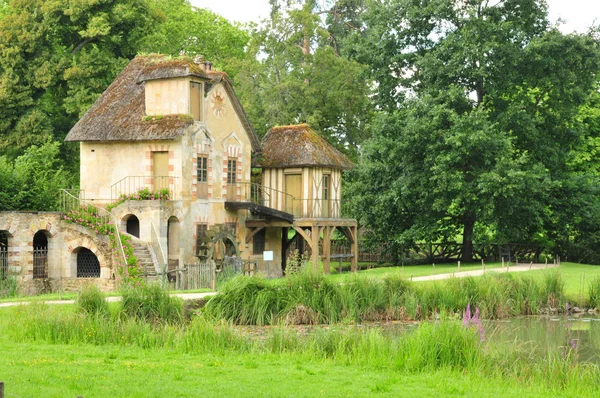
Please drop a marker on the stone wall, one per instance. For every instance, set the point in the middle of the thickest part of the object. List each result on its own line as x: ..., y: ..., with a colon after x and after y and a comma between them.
x: 64, y: 242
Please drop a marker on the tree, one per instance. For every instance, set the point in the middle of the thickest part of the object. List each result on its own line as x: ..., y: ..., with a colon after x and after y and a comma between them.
x: 501, y: 90
x: 195, y: 31
x: 56, y: 58
x: 293, y: 74
x: 34, y: 180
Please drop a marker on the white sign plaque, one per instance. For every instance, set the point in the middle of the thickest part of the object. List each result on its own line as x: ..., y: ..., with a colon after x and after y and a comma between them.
x: 268, y: 256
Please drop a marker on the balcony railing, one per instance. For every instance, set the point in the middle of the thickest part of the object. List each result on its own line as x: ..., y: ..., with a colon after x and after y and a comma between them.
x: 132, y: 185
x: 278, y: 200
x: 316, y: 208
x: 256, y: 193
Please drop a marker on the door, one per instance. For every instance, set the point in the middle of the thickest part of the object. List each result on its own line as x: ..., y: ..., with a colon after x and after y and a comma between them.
x: 160, y: 170
x: 293, y: 187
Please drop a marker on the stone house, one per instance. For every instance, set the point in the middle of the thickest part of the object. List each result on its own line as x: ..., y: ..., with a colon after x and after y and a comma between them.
x: 175, y: 125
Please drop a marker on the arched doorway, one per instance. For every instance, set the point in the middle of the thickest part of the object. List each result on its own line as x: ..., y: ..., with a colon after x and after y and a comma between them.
x: 40, y: 255
x: 88, y: 265
x: 3, y: 255
x: 173, y: 243
x: 132, y: 225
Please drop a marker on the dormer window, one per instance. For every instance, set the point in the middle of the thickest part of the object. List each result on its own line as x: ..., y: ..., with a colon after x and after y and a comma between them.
x: 196, y: 100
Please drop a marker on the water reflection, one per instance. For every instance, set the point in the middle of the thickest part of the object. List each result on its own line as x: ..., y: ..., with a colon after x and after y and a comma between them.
x: 542, y: 334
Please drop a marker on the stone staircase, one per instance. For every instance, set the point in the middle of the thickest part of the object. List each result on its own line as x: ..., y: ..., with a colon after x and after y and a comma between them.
x: 145, y: 259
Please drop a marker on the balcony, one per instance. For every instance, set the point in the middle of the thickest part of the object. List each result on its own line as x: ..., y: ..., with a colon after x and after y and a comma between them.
x: 133, y: 185
x: 270, y: 202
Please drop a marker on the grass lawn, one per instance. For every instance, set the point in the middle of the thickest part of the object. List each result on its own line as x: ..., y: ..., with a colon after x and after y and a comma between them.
x: 412, y: 270
x: 44, y: 370
x: 576, y: 276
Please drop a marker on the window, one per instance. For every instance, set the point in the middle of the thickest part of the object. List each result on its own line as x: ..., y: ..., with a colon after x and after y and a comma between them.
x: 231, y: 170
x: 326, y: 186
x: 88, y: 265
x: 258, y: 242
x: 202, y: 168
x: 196, y: 100
x: 3, y: 255
x: 200, y: 235
x: 40, y: 255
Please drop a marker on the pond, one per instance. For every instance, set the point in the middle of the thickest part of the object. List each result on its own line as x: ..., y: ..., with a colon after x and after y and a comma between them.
x: 543, y: 334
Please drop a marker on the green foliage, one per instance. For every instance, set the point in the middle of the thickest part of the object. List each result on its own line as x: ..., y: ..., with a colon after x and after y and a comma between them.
x: 34, y: 180
x: 195, y: 31
x: 482, y: 145
x: 56, y: 59
x: 151, y: 303
x: 92, y: 301
x: 292, y: 74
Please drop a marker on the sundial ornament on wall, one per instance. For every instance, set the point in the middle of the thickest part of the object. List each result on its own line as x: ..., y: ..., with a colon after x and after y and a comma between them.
x: 218, y: 103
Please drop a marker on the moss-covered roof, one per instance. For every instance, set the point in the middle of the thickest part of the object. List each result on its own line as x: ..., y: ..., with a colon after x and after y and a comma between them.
x: 299, y: 146
x: 119, y: 114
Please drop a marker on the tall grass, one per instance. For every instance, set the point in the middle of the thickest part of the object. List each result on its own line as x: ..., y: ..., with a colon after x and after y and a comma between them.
x: 431, y: 347
x: 308, y: 297
x: 152, y: 303
x: 8, y: 287
x: 594, y: 292
x: 92, y: 301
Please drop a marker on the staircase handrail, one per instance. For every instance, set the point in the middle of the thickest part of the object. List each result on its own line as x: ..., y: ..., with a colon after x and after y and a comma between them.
x: 163, y: 259
x: 67, y: 196
x: 267, y: 191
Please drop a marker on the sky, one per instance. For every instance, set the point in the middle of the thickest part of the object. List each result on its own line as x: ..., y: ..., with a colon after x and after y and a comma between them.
x: 578, y: 14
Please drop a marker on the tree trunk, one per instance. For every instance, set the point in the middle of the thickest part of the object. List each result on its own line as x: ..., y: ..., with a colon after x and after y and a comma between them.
x: 469, y: 224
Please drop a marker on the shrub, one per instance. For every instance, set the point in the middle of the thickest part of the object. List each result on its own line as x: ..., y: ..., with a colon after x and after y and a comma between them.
x: 92, y: 301
x: 151, y: 303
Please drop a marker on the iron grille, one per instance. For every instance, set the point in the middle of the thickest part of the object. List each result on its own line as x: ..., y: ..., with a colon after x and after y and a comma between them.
x: 88, y: 265
x: 40, y: 263
x: 3, y: 263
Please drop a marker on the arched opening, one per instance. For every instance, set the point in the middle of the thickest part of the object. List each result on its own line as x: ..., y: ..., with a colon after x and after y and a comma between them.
x: 88, y: 265
x: 173, y: 243
x: 40, y: 255
x: 132, y: 225
x: 3, y: 255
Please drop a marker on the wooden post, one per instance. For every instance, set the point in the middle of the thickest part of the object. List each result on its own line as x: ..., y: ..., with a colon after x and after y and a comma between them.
x: 483, y: 266
x: 530, y: 265
x: 459, y: 266
x: 354, y: 233
x: 503, y: 264
x: 433, y: 268
x: 326, y: 249
x: 1, y: 389
x: 315, y: 246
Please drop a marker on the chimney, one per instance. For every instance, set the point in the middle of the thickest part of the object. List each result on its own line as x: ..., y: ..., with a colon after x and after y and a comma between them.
x: 203, y: 64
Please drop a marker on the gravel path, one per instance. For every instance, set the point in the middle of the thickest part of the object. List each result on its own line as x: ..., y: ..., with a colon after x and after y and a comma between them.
x: 463, y: 274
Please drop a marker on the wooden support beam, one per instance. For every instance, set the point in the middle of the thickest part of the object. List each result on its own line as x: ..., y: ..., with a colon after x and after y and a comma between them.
x: 327, y: 248
x: 315, y: 246
x: 305, y: 236
x: 253, y: 232
x: 354, y: 265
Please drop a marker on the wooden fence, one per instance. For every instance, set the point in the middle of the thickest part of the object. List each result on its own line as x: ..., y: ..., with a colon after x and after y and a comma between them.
x: 439, y: 252
x: 196, y: 276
